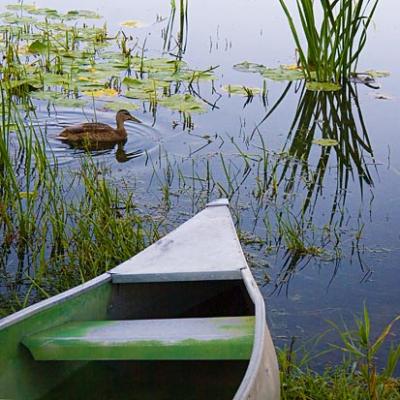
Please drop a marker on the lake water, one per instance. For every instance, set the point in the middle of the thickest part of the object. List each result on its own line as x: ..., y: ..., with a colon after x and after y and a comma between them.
x: 258, y: 151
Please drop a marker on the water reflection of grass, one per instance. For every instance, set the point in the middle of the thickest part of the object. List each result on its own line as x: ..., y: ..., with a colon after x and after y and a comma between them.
x: 280, y: 192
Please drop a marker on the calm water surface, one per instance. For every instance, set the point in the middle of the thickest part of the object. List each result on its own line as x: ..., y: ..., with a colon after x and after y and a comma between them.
x: 353, y: 210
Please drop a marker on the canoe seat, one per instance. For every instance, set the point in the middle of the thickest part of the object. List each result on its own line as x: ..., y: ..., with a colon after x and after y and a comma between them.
x: 222, y: 338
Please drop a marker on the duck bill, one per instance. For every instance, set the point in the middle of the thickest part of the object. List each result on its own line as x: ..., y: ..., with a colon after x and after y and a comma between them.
x: 132, y: 118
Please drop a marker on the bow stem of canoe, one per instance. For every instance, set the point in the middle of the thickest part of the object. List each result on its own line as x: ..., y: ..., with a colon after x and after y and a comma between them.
x: 183, y: 319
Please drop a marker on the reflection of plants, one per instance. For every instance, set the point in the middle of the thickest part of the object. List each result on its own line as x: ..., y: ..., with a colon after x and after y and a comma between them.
x: 333, y: 45
x: 320, y: 117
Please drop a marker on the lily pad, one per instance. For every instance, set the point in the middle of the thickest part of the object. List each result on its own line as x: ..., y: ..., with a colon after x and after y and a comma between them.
x: 76, y: 14
x: 377, y: 74
x: 184, y: 103
x: 323, y: 86
x: 241, y: 90
x: 21, y: 6
x: 119, y: 105
x: 326, y: 142
x: 246, y: 66
x: 70, y: 103
x: 283, y: 74
x: 146, y: 89
x: 132, y: 23
x: 101, y: 93
x: 47, y: 12
x: 157, y: 64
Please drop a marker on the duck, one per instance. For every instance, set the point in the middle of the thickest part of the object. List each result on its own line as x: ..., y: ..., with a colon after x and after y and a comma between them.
x: 96, y: 132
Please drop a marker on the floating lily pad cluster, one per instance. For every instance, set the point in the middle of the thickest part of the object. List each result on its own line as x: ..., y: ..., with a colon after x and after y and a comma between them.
x: 52, y: 56
x: 285, y: 73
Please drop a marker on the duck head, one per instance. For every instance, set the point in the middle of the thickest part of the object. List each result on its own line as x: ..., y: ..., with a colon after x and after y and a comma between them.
x: 124, y: 115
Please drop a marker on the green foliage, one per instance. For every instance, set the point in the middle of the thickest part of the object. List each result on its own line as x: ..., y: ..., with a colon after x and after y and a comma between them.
x: 356, y: 378
x: 334, y: 42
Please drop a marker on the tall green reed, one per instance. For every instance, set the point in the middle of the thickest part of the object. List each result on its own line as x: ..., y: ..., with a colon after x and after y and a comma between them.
x: 334, y: 33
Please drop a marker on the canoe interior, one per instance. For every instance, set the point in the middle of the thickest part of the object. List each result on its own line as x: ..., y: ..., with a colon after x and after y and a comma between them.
x: 21, y: 377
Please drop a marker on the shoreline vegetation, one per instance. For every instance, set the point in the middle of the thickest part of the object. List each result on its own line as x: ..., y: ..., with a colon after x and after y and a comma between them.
x: 355, y: 377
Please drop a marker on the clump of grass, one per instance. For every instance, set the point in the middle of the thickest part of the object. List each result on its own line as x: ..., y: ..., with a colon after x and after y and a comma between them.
x: 334, y: 42
x: 356, y: 378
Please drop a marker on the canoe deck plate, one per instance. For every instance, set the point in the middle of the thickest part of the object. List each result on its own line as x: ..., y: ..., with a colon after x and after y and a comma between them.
x: 204, y: 248
x: 222, y: 338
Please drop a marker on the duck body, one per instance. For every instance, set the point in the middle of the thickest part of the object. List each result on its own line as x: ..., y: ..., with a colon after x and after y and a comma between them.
x: 95, y: 132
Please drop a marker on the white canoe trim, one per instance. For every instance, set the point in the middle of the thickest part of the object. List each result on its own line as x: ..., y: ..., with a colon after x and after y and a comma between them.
x: 203, y: 248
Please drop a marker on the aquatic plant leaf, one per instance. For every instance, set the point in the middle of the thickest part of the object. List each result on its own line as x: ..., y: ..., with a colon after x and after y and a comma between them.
x: 241, y: 90
x: 37, y: 47
x: 143, y: 89
x: 80, y: 14
x: 101, y: 93
x: 119, y: 105
x: 377, y: 74
x: 51, y: 79
x: 246, y: 66
x: 88, y: 14
x: 132, y: 23
x: 46, y: 95
x: 283, y: 74
x: 70, y: 103
x: 323, y: 86
x: 21, y: 6
x: 157, y: 64
x: 15, y: 19
x: 47, y: 12
x: 185, y: 103
x: 326, y: 142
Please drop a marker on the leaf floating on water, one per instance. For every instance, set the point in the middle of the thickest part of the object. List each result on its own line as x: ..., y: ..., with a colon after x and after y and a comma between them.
x: 76, y: 14
x: 70, y: 103
x: 283, y: 74
x: 241, y: 90
x: 46, y: 12
x: 185, y: 103
x: 323, y: 86
x: 246, y: 66
x: 325, y: 142
x: 157, y: 64
x: 21, y: 6
x: 101, y: 93
x: 132, y: 23
x: 37, y: 47
x: 119, y: 105
x: 46, y: 95
x: 377, y: 74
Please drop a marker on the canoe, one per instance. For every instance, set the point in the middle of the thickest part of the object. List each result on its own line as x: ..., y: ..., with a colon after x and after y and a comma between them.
x: 184, y: 319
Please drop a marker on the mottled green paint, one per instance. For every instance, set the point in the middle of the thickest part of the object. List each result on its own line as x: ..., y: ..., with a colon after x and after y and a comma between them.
x: 21, y: 377
x: 74, y: 341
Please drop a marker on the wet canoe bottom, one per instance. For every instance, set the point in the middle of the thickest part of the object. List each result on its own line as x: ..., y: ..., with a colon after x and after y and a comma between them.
x: 142, y: 380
